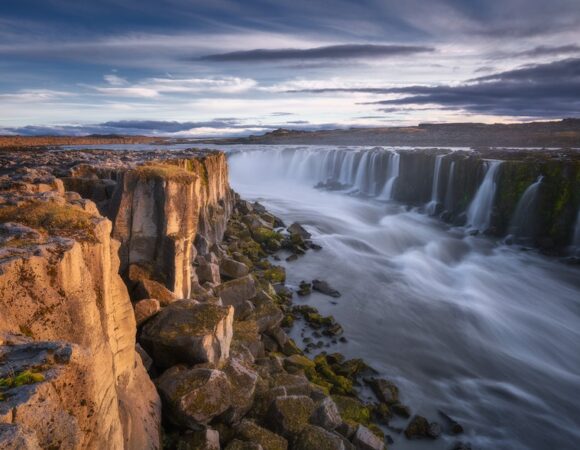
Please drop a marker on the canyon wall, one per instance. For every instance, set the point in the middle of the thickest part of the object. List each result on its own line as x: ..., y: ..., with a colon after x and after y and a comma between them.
x: 67, y: 324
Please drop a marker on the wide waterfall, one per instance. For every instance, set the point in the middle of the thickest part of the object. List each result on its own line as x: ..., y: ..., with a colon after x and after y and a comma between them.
x: 523, y: 225
x: 479, y: 212
x: 432, y: 205
x: 482, y: 331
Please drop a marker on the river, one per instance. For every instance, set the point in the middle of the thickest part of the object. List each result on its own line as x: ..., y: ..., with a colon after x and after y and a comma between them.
x: 485, y: 332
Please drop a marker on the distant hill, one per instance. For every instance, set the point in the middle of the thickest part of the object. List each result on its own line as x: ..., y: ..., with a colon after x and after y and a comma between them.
x: 563, y: 133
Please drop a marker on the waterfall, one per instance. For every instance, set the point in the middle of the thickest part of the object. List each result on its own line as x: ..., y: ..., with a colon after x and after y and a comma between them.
x: 479, y: 212
x: 576, y: 236
x: 523, y: 222
x: 449, y: 192
x: 392, y: 175
x: 432, y: 205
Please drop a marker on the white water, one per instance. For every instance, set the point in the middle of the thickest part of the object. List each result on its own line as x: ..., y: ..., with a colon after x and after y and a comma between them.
x: 449, y: 191
x: 488, y: 334
x: 479, y: 212
x: 523, y: 222
x: 392, y: 175
x: 432, y: 205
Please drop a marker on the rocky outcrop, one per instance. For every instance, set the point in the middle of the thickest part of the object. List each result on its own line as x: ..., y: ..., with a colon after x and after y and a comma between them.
x: 60, y: 287
x: 159, y: 210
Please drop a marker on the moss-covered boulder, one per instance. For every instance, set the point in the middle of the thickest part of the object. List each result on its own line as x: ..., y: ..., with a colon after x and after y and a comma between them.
x: 385, y: 390
x: 249, y: 431
x: 316, y: 438
x: 194, y: 397
x: 189, y: 332
x: 243, y: 380
x: 290, y: 414
x: 236, y: 444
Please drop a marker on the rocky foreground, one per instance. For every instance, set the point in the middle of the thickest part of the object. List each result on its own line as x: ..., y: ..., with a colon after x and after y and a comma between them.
x: 141, y: 308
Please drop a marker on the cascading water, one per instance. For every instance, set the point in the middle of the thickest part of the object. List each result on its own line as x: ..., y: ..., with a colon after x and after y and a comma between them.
x: 449, y: 191
x: 479, y: 212
x: 432, y: 205
x: 392, y: 175
x: 523, y: 223
x: 462, y: 325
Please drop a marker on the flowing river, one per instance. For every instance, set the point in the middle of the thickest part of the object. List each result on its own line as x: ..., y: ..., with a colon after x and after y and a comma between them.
x: 482, y: 331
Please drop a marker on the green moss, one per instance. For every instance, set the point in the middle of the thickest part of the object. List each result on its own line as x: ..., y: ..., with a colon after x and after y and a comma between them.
x: 276, y: 274
x: 352, y: 409
x: 23, y: 378
x: 164, y: 171
x: 61, y: 219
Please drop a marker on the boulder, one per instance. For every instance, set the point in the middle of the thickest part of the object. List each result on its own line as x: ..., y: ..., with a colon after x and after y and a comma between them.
x: 243, y: 380
x: 236, y: 444
x: 152, y: 289
x: 365, y: 439
x: 194, y: 396
x: 208, y: 272
x: 420, y: 428
x: 326, y: 415
x: 299, y: 230
x: 316, y: 438
x: 324, y: 288
x: 236, y: 292
x: 206, y: 439
x: 145, y: 309
x: 289, y: 415
x: 189, y: 332
x: 249, y: 431
x: 385, y: 390
x: 230, y: 268
x: 267, y: 314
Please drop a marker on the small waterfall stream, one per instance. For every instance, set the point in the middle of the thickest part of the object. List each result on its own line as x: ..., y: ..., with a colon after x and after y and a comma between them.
x: 449, y: 192
x: 479, y: 212
x: 392, y: 175
x: 432, y: 205
x: 523, y: 223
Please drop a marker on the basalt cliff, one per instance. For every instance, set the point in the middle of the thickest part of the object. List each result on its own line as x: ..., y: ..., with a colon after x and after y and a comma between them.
x: 140, y: 309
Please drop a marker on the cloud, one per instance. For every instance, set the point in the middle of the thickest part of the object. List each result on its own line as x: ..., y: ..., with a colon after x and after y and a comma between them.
x: 348, y: 51
x: 542, y: 90
x: 544, y: 50
x: 33, y: 95
x: 155, y: 87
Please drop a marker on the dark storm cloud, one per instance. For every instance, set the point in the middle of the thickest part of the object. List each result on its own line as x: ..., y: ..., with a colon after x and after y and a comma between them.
x: 542, y: 90
x: 544, y: 50
x: 160, y: 126
x: 350, y: 51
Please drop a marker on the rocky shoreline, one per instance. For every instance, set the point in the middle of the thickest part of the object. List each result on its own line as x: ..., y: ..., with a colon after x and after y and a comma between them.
x: 142, y: 308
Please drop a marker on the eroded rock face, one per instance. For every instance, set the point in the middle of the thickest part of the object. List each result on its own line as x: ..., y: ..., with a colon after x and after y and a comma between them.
x: 67, y: 289
x: 189, y: 332
x: 158, y: 210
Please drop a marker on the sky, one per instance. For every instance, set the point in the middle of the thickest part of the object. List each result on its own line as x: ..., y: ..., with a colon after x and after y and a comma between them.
x: 191, y: 68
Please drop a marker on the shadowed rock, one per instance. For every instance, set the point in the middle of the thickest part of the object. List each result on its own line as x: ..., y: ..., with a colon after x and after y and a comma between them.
x: 189, y: 332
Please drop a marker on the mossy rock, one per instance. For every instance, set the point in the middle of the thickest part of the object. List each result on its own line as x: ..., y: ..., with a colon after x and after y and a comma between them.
x: 251, y: 432
x: 52, y: 218
x: 276, y: 274
x: 289, y: 415
x: 164, y: 172
x: 353, y: 410
x: 23, y: 378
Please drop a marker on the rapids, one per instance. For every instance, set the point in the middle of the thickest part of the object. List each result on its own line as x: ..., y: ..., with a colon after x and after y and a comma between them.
x: 463, y: 324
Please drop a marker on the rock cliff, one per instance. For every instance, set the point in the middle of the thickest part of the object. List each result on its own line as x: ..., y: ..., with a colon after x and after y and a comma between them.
x: 66, y: 314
